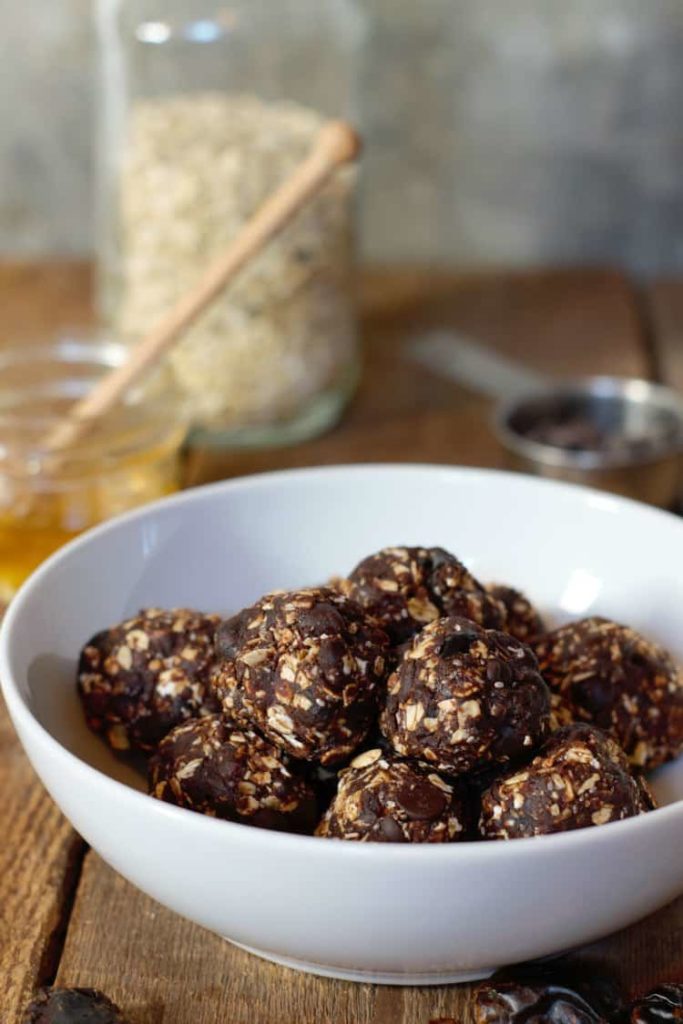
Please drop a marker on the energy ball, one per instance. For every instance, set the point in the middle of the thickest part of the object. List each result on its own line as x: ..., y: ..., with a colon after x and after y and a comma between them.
x: 139, y: 679
x: 213, y: 766
x: 612, y: 677
x: 303, y: 666
x: 381, y: 799
x: 521, y: 618
x: 406, y: 588
x: 580, y: 778
x: 464, y: 698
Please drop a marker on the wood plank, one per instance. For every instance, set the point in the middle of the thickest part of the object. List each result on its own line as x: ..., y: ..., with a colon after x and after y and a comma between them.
x: 162, y: 969
x: 664, y: 301
x: 39, y: 861
x: 564, y: 322
x: 40, y: 853
x: 646, y: 954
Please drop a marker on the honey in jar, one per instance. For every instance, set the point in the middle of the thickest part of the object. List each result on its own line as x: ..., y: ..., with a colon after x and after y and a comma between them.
x: 129, y: 458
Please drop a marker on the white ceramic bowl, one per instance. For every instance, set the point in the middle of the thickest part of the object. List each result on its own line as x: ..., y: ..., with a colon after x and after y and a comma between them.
x: 409, y: 915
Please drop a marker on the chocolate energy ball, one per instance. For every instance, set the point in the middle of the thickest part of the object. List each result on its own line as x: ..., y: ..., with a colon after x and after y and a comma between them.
x: 303, y: 666
x: 213, y: 766
x: 464, y: 698
x: 381, y: 799
x: 521, y: 618
x: 72, y: 1006
x: 610, y: 676
x: 580, y: 778
x: 406, y: 588
x: 139, y: 679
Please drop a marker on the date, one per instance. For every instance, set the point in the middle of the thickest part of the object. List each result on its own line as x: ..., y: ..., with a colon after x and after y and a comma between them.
x: 73, y: 1006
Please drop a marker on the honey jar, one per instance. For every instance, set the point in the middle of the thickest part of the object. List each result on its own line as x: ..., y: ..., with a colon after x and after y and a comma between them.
x: 131, y: 457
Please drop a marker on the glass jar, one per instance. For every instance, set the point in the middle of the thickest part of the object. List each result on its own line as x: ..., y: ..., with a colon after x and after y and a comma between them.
x: 207, y: 107
x: 47, y: 499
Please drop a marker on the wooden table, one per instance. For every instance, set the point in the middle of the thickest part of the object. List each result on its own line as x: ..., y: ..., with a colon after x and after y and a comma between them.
x: 64, y: 915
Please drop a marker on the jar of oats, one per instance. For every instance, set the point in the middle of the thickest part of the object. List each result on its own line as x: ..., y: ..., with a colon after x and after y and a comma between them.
x: 206, y: 108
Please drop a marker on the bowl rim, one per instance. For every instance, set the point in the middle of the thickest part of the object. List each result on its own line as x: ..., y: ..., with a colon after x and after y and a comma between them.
x: 543, y: 845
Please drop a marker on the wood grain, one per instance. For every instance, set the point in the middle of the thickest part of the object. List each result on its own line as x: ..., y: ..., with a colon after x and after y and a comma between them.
x: 646, y: 954
x: 163, y: 970
x: 665, y: 303
x: 39, y: 861
x: 39, y: 852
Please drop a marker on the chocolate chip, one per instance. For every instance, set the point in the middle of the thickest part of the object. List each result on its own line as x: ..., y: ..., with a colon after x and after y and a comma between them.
x: 498, y: 670
x: 406, y: 678
x: 438, y: 557
x: 370, y: 809
x: 331, y: 654
x: 227, y: 636
x: 596, y: 695
x: 320, y: 619
x: 390, y: 831
x: 421, y: 800
x: 457, y: 643
x: 506, y: 742
x: 640, y: 661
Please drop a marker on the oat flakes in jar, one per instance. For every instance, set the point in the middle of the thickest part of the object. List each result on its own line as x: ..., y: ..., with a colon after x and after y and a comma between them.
x: 206, y: 108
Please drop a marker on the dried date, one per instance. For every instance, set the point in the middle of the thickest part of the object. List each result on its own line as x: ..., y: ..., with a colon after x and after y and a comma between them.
x: 662, y: 1005
x: 73, y: 1006
x: 567, y: 994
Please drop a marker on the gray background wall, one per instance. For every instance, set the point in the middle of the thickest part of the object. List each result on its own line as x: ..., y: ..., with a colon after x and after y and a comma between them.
x: 500, y: 131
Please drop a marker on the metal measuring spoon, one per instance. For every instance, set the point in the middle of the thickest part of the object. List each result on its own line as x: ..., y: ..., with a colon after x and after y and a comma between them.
x: 619, y: 434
